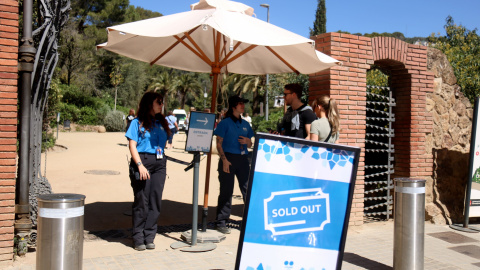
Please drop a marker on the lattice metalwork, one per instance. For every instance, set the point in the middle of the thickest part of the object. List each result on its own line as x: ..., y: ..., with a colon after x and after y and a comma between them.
x: 53, y: 14
x: 379, y: 152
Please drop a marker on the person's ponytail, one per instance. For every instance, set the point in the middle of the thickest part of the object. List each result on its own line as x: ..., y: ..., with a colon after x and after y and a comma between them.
x: 331, y: 110
x: 333, y: 116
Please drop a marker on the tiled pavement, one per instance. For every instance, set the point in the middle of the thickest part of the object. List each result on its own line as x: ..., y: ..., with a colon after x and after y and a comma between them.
x: 368, y: 247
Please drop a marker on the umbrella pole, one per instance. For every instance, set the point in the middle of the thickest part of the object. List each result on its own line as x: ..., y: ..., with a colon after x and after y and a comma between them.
x: 209, y: 155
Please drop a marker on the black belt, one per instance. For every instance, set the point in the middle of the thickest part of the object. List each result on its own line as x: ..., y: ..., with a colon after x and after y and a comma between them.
x: 168, y: 158
x: 147, y: 154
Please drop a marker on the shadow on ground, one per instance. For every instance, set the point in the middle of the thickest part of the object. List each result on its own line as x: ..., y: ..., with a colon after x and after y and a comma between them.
x: 112, y: 221
x: 364, y: 262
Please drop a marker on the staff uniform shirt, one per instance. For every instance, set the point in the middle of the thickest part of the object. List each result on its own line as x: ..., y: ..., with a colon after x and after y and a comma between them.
x: 147, y: 141
x: 230, y: 129
x: 171, y: 119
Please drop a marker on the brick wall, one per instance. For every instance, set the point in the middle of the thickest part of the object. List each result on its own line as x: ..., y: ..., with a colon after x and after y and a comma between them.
x: 346, y: 83
x: 8, y: 122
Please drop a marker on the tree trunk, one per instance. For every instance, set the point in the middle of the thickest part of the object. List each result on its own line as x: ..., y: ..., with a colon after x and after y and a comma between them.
x: 183, y: 98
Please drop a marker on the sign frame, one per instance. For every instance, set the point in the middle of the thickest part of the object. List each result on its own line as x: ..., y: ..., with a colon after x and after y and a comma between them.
x: 472, y: 199
x: 355, y: 152
x: 197, y: 136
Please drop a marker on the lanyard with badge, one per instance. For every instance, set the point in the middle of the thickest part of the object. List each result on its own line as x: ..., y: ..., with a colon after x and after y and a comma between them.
x: 159, y: 150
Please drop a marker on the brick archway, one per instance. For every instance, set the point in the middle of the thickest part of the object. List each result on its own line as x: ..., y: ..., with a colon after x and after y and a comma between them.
x: 407, y: 65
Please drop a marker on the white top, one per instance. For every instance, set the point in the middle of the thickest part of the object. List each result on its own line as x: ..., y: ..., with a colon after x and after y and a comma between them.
x: 321, y: 127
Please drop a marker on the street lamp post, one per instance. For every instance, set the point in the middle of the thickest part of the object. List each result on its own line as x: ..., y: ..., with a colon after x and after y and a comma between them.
x: 266, y: 79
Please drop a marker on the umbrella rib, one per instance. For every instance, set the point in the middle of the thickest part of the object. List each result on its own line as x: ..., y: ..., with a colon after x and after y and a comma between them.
x: 230, y: 53
x: 224, y: 52
x: 217, y: 46
x: 198, y: 49
x: 171, y: 47
x: 283, y: 60
x: 206, y: 60
x: 249, y: 48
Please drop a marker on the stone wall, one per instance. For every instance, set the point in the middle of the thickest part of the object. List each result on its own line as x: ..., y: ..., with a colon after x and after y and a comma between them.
x: 8, y: 122
x: 449, y: 143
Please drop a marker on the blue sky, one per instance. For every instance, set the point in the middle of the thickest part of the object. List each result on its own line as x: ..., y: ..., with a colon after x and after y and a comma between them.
x: 412, y: 18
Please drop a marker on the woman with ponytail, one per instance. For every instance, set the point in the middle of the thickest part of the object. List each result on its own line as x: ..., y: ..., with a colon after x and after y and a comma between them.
x: 326, y: 128
x: 147, y: 136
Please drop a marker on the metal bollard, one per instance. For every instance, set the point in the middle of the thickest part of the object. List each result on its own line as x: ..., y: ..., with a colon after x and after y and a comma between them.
x: 60, y: 231
x: 409, y: 224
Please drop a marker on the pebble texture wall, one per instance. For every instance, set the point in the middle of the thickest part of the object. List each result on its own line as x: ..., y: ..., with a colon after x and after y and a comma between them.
x: 449, y: 143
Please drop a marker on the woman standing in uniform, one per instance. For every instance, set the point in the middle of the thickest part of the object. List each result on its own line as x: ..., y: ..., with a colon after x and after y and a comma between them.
x: 233, y: 138
x: 326, y: 127
x: 147, y: 137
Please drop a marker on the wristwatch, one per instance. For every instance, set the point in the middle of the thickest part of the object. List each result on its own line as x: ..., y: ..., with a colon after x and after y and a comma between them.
x: 139, y: 163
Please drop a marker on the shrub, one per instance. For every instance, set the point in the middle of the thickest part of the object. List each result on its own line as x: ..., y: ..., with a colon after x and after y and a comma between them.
x: 114, y: 122
x: 48, y: 140
x: 88, y: 116
x: 69, y: 111
x: 102, y: 112
x: 259, y: 124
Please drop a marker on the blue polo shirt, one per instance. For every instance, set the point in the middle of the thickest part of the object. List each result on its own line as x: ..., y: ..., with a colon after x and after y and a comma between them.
x: 147, y: 141
x: 171, y: 119
x: 230, y: 129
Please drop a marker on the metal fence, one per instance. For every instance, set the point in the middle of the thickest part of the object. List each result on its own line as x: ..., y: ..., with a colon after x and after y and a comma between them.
x: 379, y: 150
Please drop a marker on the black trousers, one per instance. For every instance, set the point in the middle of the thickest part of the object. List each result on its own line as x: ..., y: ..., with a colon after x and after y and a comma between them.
x: 241, y: 168
x: 147, y: 199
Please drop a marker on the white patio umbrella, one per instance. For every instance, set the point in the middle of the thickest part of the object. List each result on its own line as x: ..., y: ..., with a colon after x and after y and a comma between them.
x: 217, y: 36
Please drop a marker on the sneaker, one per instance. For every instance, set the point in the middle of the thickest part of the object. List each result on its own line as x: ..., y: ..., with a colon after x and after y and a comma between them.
x: 150, y: 246
x: 140, y: 247
x: 223, y: 229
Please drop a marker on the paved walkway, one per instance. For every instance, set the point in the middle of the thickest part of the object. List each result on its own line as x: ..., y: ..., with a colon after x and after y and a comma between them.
x: 107, y: 242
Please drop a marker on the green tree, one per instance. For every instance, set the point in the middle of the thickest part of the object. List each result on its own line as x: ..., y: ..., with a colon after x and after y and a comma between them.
x: 376, y: 77
x: 99, y: 13
x: 320, y: 23
x: 134, y: 14
x: 164, y: 83
x: 116, y: 78
x: 134, y: 84
x: 278, y: 81
x: 462, y: 48
x: 241, y: 84
x: 187, y: 83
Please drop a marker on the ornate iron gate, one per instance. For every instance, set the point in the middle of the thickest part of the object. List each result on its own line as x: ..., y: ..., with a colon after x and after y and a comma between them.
x: 379, y: 152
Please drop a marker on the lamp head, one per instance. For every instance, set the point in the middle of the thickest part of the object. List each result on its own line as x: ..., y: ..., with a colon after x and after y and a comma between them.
x: 265, y: 5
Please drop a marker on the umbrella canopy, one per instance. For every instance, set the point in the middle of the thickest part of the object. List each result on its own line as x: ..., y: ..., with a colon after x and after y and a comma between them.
x: 222, y: 4
x: 202, y: 40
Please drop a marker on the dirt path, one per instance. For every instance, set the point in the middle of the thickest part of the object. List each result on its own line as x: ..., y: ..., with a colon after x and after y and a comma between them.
x: 108, y: 197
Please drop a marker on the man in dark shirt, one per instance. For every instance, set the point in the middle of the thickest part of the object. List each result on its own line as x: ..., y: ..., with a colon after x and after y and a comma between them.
x: 299, y: 117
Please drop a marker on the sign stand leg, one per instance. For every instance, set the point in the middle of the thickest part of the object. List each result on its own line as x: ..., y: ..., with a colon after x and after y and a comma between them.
x: 205, y: 239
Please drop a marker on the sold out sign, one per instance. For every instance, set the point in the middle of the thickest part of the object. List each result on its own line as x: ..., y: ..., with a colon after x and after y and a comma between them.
x: 294, y: 211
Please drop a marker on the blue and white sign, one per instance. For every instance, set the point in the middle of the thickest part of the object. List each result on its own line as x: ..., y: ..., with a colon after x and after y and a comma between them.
x: 298, y: 204
x: 200, y: 132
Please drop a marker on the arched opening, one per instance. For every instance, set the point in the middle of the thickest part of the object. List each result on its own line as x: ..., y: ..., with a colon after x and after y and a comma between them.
x: 379, y: 151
